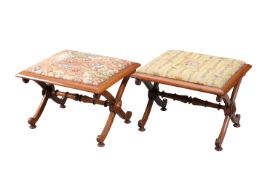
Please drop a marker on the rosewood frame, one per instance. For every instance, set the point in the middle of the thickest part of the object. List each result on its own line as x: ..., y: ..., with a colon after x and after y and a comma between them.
x: 229, y: 107
x: 114, y: 103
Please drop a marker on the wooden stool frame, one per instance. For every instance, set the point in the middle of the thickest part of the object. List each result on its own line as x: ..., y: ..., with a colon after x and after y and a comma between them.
x: 229, y: 107
x: 114, y: 104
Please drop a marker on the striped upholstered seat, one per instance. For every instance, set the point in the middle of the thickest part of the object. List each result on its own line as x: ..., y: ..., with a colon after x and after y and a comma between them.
x: 193, y: 67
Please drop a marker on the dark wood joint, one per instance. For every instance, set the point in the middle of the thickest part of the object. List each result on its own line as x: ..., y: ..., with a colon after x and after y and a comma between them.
x: 95, y: 98
x: 25, y: 80
x: 138, y: 82
x: 219, y: 98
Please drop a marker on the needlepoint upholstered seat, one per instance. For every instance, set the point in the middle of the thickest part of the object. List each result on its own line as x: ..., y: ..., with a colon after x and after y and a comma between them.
x: 193, y: 67
x: 205, y: 73
x: 78, y: 68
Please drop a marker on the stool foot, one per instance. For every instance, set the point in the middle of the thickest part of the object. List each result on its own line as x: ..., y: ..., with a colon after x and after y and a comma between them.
x: 31, y: 122
x: 161, y: 102
x: 127, y: 121
x: 128, y: 116
x: 218, y: 148
x: 236, y: 120
x: 236, y: 125
x: 218, y: 145
x: 163, y: 109
x: 141, y: 128
x: 62, y: 106
x: 100, y: 144
x: 32, y: 126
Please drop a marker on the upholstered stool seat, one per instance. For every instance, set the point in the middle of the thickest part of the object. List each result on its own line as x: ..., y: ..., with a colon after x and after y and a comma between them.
x: 194, y: 71
x: 79, y: 69
x: 193, y: 67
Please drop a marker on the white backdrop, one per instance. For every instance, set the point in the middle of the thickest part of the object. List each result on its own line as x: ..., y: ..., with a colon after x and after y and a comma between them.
x: 178, y: 141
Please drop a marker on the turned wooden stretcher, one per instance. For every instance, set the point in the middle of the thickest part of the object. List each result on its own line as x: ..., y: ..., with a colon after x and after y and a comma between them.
x: 204, y: 73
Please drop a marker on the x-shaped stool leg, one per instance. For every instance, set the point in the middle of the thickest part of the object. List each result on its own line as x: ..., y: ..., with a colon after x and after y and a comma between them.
x: 229, y: 111
x: 115, y: 107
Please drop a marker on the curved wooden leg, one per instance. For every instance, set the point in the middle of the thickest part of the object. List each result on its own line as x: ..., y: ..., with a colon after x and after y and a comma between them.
x: 222, y: 134
x: 100, y: 138
x: 118, y: 103
x: 32, y: 120
x: 115, y: 107
x: 126, y: 116
x: 161, y: 102
x: 142, y: 122
x: 236, y: 120
x: 153, y: 90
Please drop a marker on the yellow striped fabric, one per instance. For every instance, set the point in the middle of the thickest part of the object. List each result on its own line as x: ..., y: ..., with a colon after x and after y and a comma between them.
x: 193, y: 67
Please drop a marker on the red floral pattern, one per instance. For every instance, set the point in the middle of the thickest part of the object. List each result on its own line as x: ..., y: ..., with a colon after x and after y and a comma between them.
x: 80, y: 67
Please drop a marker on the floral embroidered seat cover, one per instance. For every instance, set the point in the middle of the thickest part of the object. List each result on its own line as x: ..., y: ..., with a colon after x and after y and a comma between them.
x: 80, y: 67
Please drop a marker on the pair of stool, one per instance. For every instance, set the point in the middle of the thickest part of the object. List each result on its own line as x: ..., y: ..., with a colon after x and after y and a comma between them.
x: 96, y: 73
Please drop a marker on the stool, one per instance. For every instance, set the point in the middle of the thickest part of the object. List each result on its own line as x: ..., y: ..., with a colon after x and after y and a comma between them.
x: 199, y: 72
x: 81, y: 71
